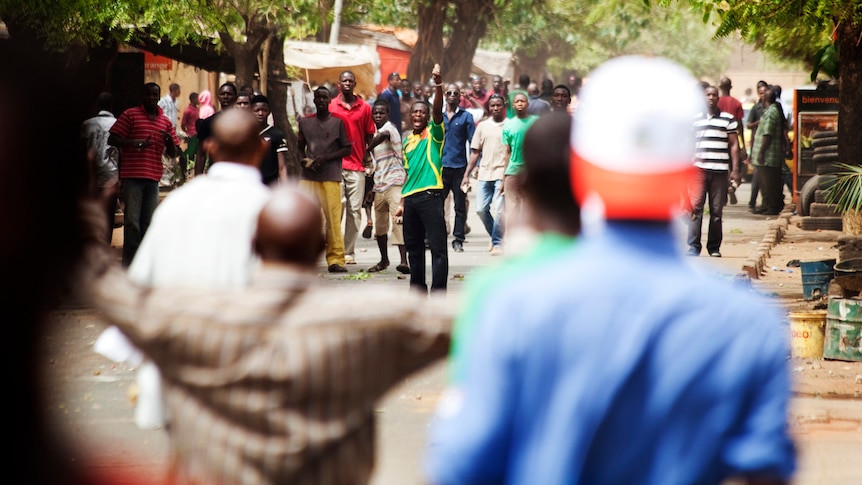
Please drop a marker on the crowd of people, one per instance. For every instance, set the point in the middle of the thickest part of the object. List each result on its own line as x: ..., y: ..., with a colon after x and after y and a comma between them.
x: 587, y: 357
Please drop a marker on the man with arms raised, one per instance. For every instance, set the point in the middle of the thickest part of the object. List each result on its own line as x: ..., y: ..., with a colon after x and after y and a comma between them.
x: 274, y: 384
x: 422, y: 194
x: 200, y: 234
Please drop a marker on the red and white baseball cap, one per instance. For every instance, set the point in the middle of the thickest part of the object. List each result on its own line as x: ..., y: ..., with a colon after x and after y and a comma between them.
x: 632, y: 138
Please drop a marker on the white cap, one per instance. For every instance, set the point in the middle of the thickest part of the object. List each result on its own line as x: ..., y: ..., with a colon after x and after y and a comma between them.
x: 633, y: 123
x: 635, y: 115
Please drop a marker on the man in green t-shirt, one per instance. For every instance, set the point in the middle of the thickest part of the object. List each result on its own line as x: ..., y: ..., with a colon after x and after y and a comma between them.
x: 513, y: 137
x: 553, y: 218
x: 422, y: 193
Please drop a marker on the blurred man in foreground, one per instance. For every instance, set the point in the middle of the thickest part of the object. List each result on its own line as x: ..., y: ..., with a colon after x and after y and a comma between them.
x: 620, y: 364
x: 273, y: 383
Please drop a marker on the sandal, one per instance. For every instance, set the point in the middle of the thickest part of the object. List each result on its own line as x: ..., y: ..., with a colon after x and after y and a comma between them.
x: 377, y: 268
x: 403, y: 269
x: 366, y: 233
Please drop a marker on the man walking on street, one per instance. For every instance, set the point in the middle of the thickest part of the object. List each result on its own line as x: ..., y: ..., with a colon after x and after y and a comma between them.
x: 459, y: 128
x: 488, y: 144
x: 142, y: 134
x: 752, y: 123
x: 356, y: 115
x: 514, y: 130
x: 716, y: 154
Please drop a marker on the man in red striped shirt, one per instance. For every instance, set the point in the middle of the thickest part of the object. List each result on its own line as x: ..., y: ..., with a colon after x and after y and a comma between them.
x: 142, y: 134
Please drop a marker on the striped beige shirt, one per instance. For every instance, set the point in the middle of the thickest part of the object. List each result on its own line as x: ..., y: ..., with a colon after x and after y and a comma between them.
x: 276, y: 383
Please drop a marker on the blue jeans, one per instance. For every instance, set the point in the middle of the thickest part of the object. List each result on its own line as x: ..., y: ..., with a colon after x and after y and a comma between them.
x: 423, y: 218
x: 140, y: 196
x: 489, y: 207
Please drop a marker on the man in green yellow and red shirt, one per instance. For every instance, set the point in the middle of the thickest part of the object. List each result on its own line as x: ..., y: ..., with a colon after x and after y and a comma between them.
x: 422, y: 193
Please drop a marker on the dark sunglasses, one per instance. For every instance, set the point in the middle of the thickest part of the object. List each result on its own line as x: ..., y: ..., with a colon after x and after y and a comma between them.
x: 451, y: 93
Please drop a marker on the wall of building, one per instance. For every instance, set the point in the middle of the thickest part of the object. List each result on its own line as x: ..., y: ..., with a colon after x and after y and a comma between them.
x: 164, y: 72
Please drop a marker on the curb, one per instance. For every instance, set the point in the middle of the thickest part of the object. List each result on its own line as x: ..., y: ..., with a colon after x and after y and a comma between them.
x: 753, y: 266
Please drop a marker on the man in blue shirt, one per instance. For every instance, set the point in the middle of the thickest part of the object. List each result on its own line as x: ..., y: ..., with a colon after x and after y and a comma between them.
x: 459, y: 127
x: 391, y: 96
x: 621, y: 363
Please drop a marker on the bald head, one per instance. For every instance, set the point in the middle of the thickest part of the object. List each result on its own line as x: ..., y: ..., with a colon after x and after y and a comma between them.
x: 290, y: 228
x: 725, y: 85
x: 236, y: 138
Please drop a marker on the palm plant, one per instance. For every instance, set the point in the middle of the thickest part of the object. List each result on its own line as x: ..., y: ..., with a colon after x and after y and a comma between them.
x: 846, y: 193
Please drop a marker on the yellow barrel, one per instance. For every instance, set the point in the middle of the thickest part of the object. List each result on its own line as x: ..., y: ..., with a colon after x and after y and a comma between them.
x: 807, y: 332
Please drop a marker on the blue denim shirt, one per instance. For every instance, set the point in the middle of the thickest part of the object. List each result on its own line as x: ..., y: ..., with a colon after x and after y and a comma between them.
x: 459, y: 134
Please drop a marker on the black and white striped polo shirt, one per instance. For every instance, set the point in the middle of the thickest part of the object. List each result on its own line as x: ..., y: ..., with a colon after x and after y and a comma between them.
x: 711, y: 145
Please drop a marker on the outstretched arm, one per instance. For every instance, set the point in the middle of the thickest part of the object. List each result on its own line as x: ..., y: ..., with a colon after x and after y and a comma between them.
x: 437, y: 109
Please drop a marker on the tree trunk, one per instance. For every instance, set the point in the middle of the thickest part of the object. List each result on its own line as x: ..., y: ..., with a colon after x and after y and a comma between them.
x: 277, y: 93
x: 470, y: 26
x: 245, y: 53
x: 429, y: 46
x: 850, y: 93
x: 533, y: 64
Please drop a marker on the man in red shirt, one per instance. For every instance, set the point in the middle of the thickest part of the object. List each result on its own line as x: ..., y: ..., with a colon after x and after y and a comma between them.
x: 356, y: 115
x: 142, y: 134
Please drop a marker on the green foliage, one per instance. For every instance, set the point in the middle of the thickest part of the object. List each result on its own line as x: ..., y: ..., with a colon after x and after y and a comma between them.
x: 74, y: 22
x: 793, y: 30
x: 847, y: 191
x: 581, y: 34
x: 360, y: 276
x: 825, y: 61
x: 96, y: 22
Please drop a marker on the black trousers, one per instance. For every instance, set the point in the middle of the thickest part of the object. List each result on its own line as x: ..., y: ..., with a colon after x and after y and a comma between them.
x: 452, y: 181
x: 710, y: 186
x: 423, y: 218
x: 771, y: 188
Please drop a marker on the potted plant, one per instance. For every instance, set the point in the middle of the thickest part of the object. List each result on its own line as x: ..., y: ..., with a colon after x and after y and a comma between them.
x: 846, y: 195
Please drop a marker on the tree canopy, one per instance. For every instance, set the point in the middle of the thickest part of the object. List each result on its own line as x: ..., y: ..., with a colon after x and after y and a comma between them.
x: 810, y: 30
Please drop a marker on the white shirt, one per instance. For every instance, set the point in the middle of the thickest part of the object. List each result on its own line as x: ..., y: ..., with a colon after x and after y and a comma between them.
x: 94, y: 131
x: 201, y: 233
x: 169, y: 106
x: 201, y: 236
